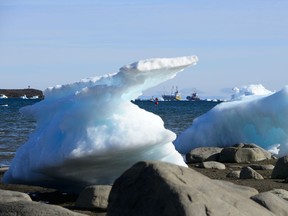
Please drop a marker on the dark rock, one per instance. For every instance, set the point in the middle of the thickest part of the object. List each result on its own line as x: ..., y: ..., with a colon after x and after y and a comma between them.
x: 17, y: 93
x: 201, y: 154
x: 280, y: 170
x: 249, y: 173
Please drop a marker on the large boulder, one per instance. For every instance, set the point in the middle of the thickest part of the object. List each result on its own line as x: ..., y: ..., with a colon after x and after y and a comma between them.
x: 280, y: 170
x: 159, y: 188
x: 244, y: 153
x: 28, y: 208
x: 94, y: 197
x: 202, y: 154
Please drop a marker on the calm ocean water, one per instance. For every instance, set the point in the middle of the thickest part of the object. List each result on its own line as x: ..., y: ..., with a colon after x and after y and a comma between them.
x: 15, y: 128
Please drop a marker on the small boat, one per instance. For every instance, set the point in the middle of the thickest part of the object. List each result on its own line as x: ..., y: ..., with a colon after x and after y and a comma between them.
x: 193, y: 97
x: 35, y: 97
x: 172, y: 97
x: 2, y: 96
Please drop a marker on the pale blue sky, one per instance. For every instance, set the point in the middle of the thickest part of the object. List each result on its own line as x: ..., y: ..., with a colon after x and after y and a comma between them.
x: 48, y: 42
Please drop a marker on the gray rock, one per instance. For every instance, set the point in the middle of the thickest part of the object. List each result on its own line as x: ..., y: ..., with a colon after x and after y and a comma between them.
x: 249, y: 173
x: 262, y: 167
x: 95, y: 196
x: 244, y: 153
x: 11, y: 196
x: 30, y: 208
x: 280, y: 193
x: 212, y: 165
x: 280, y: 170
x: 268, y: 155
x: 272, y: 202
x: 158, y: 188
x: 201, y: 154
x: 234, y: 174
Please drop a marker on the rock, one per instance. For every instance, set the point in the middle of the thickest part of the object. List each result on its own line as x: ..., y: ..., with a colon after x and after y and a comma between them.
x: 234, y: 174
x: 158, y: 188
x: 95, y: 196
x: 28, y: 208
x: 212, y: 165
x: 239, y: 189
x: 280, y: 193
x: 3, y: 169
x: 262, y: 167
x: 11, y: 196
x: 201, y: 154
x: 272, y: 202
x: 267, y: 154
x: 249, y: 173
x: 243, y: 153
x: 235, y: 166
x: 280, y: 170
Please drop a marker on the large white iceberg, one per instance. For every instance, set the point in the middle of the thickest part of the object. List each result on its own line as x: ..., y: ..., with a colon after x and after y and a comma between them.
x: 89, y: 132
x: 259, y: 116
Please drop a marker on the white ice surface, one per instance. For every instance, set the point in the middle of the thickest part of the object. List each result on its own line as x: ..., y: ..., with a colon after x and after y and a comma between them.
x: 89, y: 132
x: 244, y: 91
x: 259, y: 118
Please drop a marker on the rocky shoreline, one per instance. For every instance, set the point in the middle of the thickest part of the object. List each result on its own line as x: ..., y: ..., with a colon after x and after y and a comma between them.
x: 17, y: 93
x: 191, y: 179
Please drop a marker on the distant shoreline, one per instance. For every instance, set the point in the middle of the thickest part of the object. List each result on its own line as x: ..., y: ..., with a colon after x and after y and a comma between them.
x: 17, y: 93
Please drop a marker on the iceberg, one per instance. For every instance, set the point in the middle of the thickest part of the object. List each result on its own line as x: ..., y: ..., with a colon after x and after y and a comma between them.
x: 89, y: 132
x: 255, y: 115
x: 249, y: 90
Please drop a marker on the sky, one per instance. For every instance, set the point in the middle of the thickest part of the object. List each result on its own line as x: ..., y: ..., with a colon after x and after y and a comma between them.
x: 44, y: 43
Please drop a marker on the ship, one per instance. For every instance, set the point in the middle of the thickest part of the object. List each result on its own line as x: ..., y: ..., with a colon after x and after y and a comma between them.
x: 172, y: 97
x: 193, y: 97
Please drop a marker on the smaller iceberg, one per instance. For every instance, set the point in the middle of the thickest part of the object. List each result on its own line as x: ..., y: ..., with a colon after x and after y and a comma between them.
x: 255, y: 115
x: 249, y: 90
x: 90, y: 132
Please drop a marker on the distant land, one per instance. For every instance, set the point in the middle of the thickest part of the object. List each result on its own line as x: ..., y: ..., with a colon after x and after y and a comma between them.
x: 17, y: 93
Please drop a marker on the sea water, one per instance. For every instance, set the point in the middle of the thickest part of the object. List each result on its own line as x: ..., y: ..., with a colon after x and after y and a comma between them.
x: 15, y: 128
x: 177, y: 115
